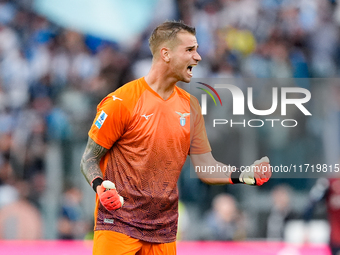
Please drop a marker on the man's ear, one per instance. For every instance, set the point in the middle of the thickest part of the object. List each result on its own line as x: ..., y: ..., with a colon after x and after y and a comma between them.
x: 165, y: 54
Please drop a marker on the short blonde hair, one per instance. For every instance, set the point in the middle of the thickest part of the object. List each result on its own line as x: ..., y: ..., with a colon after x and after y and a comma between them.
x: 167, y: 32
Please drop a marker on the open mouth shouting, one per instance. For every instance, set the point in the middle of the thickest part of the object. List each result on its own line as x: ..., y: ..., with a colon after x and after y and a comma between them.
x: 189, y: 70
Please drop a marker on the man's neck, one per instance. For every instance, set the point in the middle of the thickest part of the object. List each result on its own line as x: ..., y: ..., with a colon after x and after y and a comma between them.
x: 162, y: 84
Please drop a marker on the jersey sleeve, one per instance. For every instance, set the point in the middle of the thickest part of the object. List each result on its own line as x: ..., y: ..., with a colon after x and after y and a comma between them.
x: 110, y: 122
x: 199, y: 142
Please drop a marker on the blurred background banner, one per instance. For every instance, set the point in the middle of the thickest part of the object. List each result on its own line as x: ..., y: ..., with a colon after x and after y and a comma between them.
x: 102, y: 18
x: 293, y: 121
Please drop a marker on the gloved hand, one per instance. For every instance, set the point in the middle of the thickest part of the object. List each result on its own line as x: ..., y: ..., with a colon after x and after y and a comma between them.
x: 256, y: 174
x: 109, y: 196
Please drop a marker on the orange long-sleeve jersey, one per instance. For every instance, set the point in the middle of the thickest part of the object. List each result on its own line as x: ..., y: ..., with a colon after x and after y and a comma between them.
x: 148, y: 139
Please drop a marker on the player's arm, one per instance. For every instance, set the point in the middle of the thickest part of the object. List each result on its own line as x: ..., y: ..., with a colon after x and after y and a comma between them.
x: 89, y: 164
x: 213, y: 172
x: 202, y: 161
x: 90, y: 168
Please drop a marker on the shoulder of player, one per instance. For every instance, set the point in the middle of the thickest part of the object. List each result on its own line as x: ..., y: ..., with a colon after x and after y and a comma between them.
x: 129, y: 90
x: 188, y: 97
x: 183, y: 93
x: 126, y: 95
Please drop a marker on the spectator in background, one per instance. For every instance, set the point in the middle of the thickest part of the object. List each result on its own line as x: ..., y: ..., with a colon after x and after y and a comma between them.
x: 20, y: 219
x: 71, y: 223
x: 280, y: 213
x: 8, y: 193
x: 327, y: 190
x: 224, y: 221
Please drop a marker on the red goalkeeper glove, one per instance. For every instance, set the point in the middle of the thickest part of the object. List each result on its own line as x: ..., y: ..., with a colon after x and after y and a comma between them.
x: 256, y: 174
x: 108, y: 196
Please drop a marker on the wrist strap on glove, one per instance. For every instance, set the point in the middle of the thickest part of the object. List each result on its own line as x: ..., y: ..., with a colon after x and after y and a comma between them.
x: 95, y: 183
x: 235, y: 177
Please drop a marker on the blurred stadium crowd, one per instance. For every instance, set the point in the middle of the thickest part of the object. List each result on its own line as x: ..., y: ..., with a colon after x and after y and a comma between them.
x: 52, y: 78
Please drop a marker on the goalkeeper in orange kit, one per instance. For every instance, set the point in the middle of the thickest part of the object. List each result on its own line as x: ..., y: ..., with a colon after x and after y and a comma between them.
x: 139, y: 141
